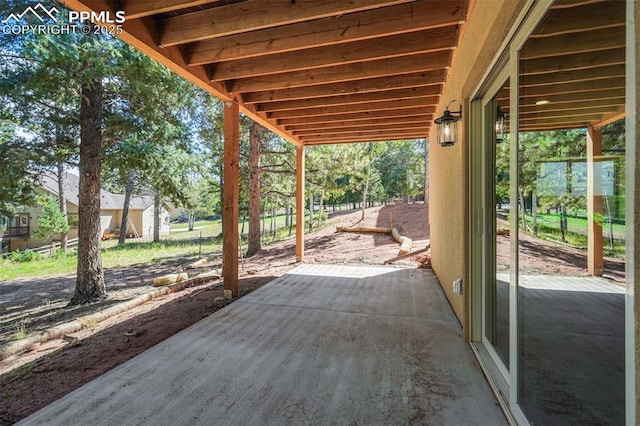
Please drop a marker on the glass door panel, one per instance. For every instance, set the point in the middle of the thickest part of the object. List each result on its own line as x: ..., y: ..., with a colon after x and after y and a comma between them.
x: 497, y: 261
x: 570, y: 193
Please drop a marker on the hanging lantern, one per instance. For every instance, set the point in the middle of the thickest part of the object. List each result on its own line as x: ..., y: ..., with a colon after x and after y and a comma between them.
x: 447, y: 125
x: 501, y: 125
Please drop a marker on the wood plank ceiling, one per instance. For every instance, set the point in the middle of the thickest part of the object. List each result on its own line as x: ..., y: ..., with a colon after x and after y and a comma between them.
x: 572, y: 68
x: 334, y: 71
x: 314, y: 71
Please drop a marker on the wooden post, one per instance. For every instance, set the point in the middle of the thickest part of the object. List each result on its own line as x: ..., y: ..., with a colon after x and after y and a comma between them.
x: 230, y: 201
x: 300, y: 204
x: 595, y: 256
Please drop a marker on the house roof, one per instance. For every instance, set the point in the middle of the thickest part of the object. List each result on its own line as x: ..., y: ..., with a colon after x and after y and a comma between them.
x: 108, y: 201
x: 332, y: 71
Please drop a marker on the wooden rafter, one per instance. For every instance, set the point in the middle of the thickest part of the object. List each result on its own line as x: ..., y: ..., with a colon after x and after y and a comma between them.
x: 354, y: 116
x: 355, y: 124
x: 337, y: 74
x: 409, y: 17
x: 583, y: 17
x: 369, y: 85
x: 369, y: 107
x: 572, y: 43
x: 138, y: 9
x: 359, y: 98
x: 563, y: 77
x: 254, y: 15
x: 432, y: 40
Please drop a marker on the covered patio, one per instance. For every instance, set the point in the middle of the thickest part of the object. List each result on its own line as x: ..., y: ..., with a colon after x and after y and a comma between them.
x: 320, y: 345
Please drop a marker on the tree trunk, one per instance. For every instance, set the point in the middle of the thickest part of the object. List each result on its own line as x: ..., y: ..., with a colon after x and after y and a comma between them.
x: 321, y: 208
x: 156, y: 216
x: 310, y: 212
x: 534, y: 212
x: 191, y: 220
x: 62, y: 199
x: 523, y: 211
x: 255, y: 188
x: 128, y: 189
x: 364, y: 192
x: 90, y: 285
x: 291, y: 220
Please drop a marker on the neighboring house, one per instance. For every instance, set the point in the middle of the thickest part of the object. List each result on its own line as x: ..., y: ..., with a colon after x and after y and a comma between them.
x: 20, y: 229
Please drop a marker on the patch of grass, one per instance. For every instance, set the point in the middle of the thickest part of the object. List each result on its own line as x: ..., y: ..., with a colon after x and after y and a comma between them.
x: 200, y: 242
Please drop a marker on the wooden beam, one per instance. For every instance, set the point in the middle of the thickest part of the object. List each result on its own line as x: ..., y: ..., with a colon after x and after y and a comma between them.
x: 595, y: 251
x: 253, y: 15
x: 573, y: 62
x: 563, y: 77
x: 368, y: 85
x: 569, y: 112
x: 618, y: 115
x: 420, y: 15
x: 413, y: 43
x: 371, y: 138
x: 421, y: 126
x: 569, y: 88
x: 314, y: 127
x: 137, y: 9
x: 594, y: 16
x: 425, y: 111
x: 573, y: 105
x: 231, y: 189
x: 570, y: 121
x: 357, y: 71
x: 368, y: 107
x: 365, y: 136
x: 300, y: 194
x: 572, y: 43
x: 574, y: 97
x: 418, y: 92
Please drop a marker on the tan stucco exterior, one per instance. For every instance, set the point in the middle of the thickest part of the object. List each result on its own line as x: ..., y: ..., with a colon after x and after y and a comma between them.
x: 483, y: 35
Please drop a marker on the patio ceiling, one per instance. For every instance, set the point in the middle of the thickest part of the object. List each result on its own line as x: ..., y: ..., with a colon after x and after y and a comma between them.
x: 572, y: 68
x: 315, y: 72
x: 335, y: 71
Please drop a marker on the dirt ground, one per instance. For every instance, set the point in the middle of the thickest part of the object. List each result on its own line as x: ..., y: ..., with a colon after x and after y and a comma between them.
x: 46, y: 372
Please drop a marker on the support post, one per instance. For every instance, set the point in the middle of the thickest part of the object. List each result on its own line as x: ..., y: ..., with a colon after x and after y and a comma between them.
x: 300, y: 170
x: 595, y: 255
x: 230, y: 206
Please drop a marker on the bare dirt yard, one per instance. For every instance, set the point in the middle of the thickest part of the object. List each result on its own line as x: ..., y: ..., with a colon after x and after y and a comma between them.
x: 46, y: 371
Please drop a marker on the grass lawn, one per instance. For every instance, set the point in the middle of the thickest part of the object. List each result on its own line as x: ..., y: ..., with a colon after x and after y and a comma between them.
x: 205, y: 239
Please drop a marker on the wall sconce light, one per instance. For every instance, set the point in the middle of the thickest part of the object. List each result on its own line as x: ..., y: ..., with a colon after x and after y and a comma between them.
x: 447, y: 125
x: 502, y: 118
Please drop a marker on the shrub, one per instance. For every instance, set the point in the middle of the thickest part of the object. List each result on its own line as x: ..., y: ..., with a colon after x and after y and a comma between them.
x: 25, y: 256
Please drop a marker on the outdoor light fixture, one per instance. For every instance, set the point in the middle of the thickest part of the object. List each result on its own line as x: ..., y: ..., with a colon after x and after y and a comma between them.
x: 447, y: 125
x: 501, y: 125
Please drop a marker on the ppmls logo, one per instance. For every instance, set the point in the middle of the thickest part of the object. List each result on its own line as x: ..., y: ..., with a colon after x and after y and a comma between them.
x: 51, y: 14
x: 77, y: 22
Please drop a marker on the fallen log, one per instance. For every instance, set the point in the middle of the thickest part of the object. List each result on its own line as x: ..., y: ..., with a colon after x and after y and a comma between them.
x: 364, y: 229
x: 170, y: 279
x: 404, y: 256
x: 92, y: 319
x: 405, y: 242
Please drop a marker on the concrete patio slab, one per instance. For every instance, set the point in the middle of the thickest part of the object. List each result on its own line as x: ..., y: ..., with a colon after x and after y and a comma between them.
x: 323, y: 344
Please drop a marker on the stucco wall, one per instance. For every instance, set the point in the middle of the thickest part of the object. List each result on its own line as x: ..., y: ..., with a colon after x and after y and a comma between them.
x: 486, y: 28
